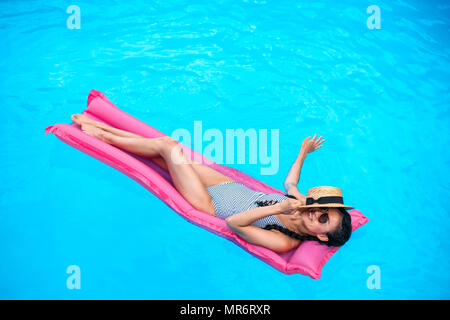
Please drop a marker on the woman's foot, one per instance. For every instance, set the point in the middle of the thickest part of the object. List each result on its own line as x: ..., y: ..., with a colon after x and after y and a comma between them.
x: 107, y: 132
x: 81, y: 119
x: 95, y: 131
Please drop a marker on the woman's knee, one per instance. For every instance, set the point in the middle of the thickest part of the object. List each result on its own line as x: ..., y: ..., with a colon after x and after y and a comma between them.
x: 167, y: 143
x: 161, y: 144
x: 171, y: 150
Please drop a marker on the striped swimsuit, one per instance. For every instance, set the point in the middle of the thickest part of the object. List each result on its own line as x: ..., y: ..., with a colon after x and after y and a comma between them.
x: 231, y: 198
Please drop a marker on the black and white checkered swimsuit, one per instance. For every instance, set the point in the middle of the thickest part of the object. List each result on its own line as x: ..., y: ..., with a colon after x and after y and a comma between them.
x: 231, y: 198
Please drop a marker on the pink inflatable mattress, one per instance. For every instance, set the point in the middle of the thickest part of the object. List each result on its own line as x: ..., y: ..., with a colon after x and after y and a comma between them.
x: 307, y: 259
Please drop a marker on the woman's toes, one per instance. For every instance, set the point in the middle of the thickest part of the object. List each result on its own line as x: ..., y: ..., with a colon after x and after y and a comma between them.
x: 75, y: 118
x: 80, y: 119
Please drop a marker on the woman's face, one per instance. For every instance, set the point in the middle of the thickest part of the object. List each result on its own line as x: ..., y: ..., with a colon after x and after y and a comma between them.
x: 319, y: 221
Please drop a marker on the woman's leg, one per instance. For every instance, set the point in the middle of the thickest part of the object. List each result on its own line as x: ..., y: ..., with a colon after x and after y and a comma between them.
x: 208, y: 176
x: 184, y: 177
x: 81, y: 119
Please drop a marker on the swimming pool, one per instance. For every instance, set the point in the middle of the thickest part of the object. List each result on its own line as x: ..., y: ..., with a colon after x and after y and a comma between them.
x: 380, y: 97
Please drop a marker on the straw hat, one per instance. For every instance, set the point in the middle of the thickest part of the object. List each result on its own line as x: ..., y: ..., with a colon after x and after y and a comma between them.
x: 330, y: 197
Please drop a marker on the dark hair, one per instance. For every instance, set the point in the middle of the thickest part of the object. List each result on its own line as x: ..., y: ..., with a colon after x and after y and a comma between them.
x: 335, y: 238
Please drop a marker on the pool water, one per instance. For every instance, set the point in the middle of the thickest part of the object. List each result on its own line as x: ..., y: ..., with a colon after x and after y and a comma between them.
x: 380, y: 97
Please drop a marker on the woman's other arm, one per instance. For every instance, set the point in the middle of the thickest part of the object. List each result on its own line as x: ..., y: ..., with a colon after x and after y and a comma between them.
x: 272, y: 239
x: 293, y: 176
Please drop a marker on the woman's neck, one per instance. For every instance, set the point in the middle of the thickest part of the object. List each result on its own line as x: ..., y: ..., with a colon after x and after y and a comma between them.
x: 293, y: 223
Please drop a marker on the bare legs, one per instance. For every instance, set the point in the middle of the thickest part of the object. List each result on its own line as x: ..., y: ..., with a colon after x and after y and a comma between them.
x: 120, y: 138
x: 167, y: 154
x: 81, y: 120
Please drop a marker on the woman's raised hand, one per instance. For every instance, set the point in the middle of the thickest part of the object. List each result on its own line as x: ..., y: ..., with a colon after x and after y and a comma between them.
x: 289, y: 206
x: 311, y: 144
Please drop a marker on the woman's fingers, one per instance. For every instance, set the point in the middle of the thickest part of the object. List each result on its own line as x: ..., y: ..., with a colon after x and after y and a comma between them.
x: 314, y: 143
x: 318, y: 144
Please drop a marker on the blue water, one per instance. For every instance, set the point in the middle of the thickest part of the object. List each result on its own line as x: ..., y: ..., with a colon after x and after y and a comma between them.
x: 380, y: 98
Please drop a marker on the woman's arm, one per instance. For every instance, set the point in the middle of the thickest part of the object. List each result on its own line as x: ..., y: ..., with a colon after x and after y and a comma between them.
x: 246, y: 218
x: 293, y: 176
x: 272, y: 239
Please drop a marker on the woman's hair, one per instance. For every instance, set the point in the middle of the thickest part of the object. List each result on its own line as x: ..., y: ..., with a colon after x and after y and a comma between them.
x: 336, y: 238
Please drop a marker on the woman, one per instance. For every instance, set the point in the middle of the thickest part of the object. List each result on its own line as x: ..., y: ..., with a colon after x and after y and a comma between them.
x: 275, y: 221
